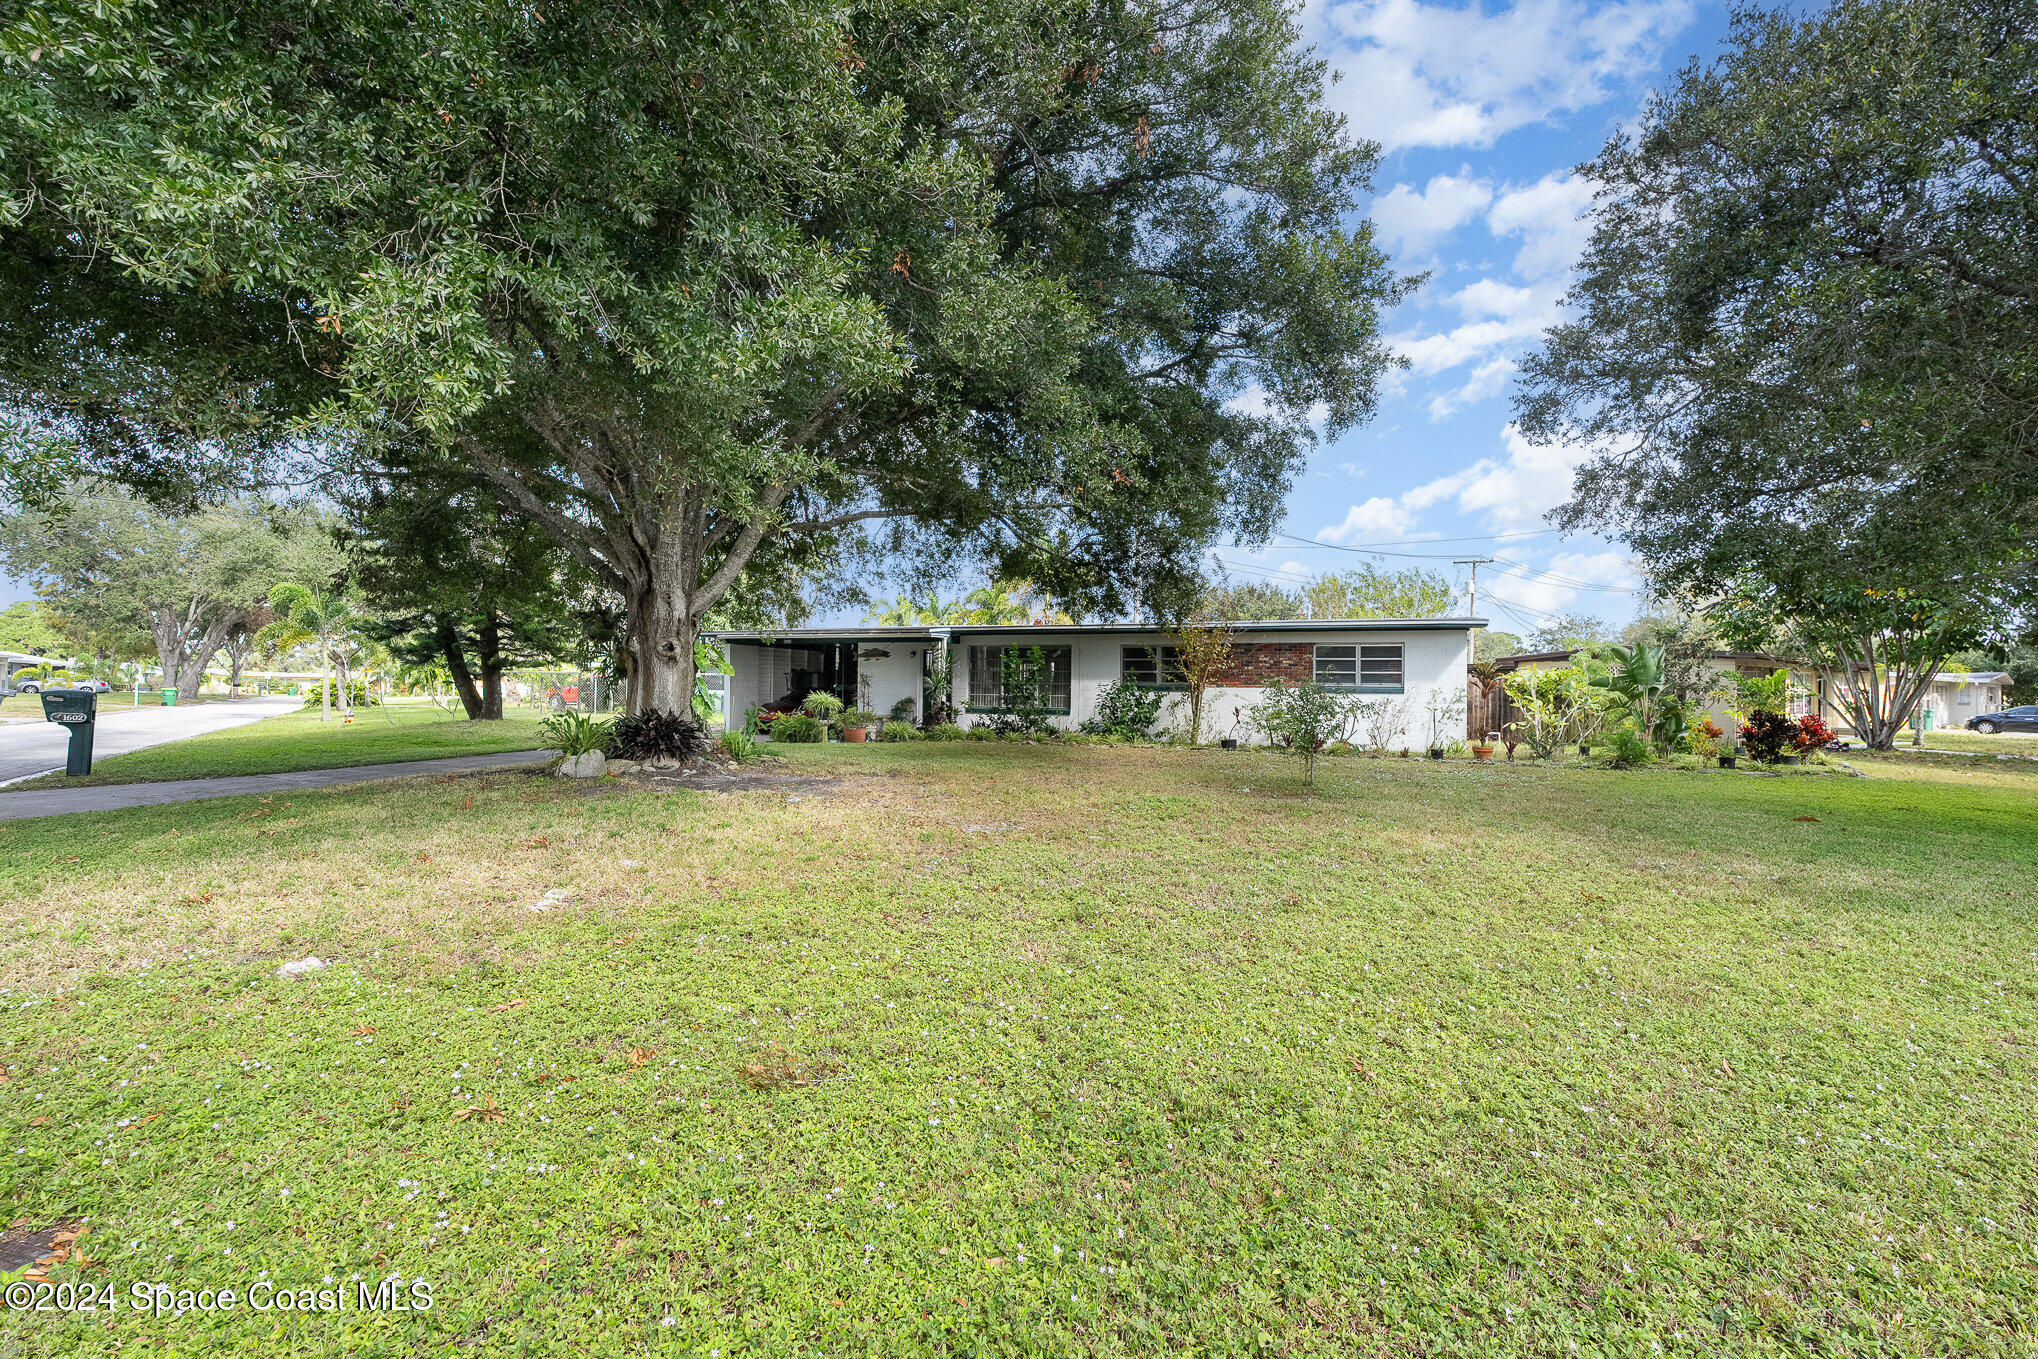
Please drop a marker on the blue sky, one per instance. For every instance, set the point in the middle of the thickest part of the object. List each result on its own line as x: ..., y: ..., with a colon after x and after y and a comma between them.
x: 1481, y: 111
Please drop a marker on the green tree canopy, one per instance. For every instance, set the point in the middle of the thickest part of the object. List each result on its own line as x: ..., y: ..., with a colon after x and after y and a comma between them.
x: 698, y: 287
x: 23, y: 627
x: 451, y: 575
x: 110, y: 564
x: 1370, y: 592
x: 1810, y: 302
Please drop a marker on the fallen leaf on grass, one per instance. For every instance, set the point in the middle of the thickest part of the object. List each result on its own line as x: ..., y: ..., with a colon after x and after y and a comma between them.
x: 62, y: 1249
x: 480, y: 1113
x: 498, y: 1009
x: 363, y: 1030
x: 1804, y: 818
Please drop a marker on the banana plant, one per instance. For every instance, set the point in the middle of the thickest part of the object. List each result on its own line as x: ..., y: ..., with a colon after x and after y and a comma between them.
x: 1635, y: 677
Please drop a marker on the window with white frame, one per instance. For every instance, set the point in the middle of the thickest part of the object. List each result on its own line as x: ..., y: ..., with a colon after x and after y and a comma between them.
x: 1007, y: 678
x: 1372, y: 669
x: 1152, y: 667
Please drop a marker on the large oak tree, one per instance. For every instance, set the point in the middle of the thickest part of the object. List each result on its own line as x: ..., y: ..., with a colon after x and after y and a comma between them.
x: 1805, y: 345
x: 692, y: 282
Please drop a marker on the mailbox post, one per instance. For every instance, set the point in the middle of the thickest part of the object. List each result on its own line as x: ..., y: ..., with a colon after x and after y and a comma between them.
x: 78, y: 711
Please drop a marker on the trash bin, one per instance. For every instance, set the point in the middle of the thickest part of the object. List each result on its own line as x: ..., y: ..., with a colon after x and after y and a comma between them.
x: 1928, y: 716
x: 169, y: 698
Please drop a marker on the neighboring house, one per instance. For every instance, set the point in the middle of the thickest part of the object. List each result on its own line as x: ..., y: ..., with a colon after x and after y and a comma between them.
x: 1958, y: 695
x: 1952, y: 699
x: 1413, y: 661
x: 1807, y: 681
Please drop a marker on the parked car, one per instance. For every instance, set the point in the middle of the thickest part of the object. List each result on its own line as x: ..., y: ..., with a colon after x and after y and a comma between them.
x: 2023, y: 718
x: 97, y: 686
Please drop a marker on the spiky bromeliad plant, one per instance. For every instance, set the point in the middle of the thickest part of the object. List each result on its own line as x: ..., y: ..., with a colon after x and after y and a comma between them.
x: 655, y: 734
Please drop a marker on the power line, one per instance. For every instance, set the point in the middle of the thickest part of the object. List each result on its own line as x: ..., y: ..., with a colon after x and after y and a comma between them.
x: 1539, y: 573
x: 1377, y: 549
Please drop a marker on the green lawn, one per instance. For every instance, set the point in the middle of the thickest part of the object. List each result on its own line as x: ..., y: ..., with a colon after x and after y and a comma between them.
x: 1111, y: 1051
x: 1955, y: 738
x: 301, y: 740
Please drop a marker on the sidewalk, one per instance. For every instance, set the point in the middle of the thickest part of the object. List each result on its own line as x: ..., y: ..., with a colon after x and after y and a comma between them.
x: 113, y: 797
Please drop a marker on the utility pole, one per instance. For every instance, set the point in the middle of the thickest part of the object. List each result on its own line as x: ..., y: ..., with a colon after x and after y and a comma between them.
x: 1475, y: 563
x: 1471, y: 637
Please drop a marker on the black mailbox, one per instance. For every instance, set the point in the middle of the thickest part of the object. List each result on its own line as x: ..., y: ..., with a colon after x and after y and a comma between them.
x: 77, y: 710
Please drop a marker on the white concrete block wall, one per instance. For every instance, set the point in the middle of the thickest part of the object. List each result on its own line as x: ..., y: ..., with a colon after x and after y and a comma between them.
x: 891, y: 677
x: 1433, y: 663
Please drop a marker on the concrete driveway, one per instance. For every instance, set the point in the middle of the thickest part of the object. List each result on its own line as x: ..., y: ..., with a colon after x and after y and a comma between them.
x: 28, y: 748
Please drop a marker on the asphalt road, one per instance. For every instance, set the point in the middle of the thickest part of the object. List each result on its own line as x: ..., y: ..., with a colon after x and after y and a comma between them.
x: 37, y: 747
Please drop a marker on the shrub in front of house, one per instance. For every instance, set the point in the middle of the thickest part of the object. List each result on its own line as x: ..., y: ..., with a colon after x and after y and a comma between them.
x: 357, y: 691
x: 944, y: 731
x: 1768, y: 736
x: 898, y: 731
x: 1125, y: 709
x: 799, y: 729
x: 1812, y: 734
x: 824, y: 707
x: 739, y: 745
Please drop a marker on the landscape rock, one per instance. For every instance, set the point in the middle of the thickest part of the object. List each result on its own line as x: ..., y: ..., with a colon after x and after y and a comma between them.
x: 623, y: 766
x: 588, y: 766
x: 301, y: 967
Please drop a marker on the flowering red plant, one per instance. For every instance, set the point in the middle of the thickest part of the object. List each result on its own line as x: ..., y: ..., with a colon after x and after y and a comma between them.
x: 1812, y: 734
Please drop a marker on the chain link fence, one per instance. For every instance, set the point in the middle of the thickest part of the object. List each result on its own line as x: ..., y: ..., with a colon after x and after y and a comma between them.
x: 558, y: 691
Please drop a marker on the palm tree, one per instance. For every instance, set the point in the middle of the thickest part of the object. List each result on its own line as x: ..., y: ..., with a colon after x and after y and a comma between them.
x: 326, y: 621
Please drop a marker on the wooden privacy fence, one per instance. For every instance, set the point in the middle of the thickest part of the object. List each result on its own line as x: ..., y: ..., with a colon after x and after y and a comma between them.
x: 1486, y: 712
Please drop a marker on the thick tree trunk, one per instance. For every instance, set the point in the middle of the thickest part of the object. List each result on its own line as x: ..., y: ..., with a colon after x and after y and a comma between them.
x: 662, y: 633
x: 491, y: 667
x: 448, y: 640
x: 170, y: 631
x: 192, y: 676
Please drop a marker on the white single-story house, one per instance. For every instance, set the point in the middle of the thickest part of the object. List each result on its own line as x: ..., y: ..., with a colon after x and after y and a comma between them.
x: 1957, y: 695
x: 1414, y: 666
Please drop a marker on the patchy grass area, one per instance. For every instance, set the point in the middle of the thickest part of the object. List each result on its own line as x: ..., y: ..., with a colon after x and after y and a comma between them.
x: 300, y: 740
x: 1033, y: 1050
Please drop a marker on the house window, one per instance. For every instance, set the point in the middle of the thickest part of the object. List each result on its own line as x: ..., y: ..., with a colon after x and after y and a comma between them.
x: 1363, y: 669
x: 1154, y: 667
x: 1007, y: 678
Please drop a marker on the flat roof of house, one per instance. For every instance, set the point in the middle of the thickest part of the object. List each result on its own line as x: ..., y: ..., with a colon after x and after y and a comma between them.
x: 932, y: 633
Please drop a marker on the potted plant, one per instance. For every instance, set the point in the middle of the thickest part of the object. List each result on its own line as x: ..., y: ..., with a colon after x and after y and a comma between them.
x: 857, y: 724
x: 1727, y: 755
x: 1443, y: 713
x: 823, y: 707
x: 1231, y: 742
x: 1484, y: 750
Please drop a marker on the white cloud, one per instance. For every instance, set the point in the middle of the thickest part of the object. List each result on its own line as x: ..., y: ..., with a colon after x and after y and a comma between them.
x: 1418, y: 74
x: 1379, y: 518
x: 1411, y: 220
x: 1498, y: 316
x: 1548, y: 589
x: 1514, y: 492
x: 1488, y: 380
x: 1547, y: 216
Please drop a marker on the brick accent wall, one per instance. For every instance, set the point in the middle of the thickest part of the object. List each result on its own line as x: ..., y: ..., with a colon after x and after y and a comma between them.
x: 1254, y: 664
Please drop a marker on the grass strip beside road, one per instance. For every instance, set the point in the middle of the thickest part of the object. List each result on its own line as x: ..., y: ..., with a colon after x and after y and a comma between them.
x: 290, y: 742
